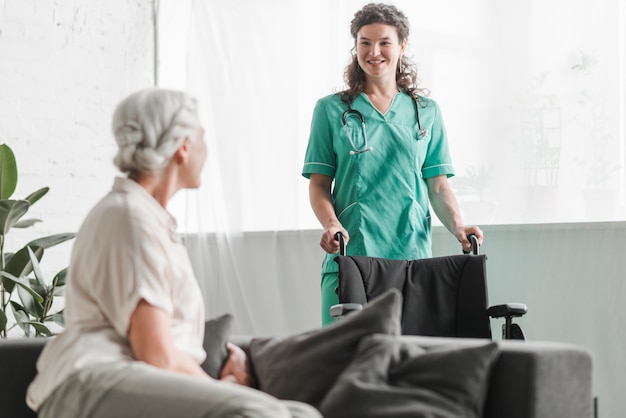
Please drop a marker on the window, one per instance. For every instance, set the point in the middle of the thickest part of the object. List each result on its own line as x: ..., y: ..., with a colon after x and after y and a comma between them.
x: 533, y: 95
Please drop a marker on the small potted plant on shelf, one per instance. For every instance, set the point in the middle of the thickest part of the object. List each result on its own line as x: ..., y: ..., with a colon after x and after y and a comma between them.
x: 26, y: 297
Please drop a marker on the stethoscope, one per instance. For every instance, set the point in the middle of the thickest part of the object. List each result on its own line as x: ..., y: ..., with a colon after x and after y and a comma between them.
x: 355, y: 113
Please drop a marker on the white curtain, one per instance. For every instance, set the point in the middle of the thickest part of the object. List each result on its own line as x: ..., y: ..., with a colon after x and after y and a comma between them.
x: 533, y: 95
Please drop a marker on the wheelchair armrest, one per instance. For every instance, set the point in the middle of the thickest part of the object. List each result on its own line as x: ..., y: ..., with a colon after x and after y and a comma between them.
x: 342, y: 309
x: 507, y: 310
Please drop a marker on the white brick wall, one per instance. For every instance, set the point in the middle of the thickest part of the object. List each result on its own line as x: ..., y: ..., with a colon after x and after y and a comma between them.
x: 64, y: 65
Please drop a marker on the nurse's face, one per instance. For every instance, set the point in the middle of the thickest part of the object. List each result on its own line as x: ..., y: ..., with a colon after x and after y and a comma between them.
x: 378, y: 50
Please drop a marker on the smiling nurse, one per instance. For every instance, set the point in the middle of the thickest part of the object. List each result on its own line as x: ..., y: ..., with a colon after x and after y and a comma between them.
x: 385, y: 147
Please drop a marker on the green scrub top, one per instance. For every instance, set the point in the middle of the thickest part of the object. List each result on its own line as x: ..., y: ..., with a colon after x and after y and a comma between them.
x: 380, y: 196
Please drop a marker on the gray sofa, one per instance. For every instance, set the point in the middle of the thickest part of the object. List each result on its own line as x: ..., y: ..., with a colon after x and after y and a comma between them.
x: 533, y: 379
x: 527, y: 380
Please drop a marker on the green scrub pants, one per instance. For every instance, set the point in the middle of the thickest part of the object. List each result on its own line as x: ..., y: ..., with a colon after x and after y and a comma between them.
x: 330, y: 282
x: 135, y: 389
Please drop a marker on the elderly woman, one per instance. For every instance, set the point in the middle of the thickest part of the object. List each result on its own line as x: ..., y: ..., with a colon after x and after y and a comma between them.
x: 134, y: 314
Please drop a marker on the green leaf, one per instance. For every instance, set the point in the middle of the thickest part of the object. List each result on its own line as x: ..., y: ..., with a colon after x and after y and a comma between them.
x: 10, y: 213
x: 36, y: 270
x: 25, y: 223
x: 40, y: 328
x: 38, y: 288
x: 58, y: 283
x: 21, y: 317
x: 34, y: 307
x: 58, y: 318
x: 8, y: 172
x: 58, y: 291
x: 59, y: 279
x: 36, y: 195
x: 52, y: 240
x: 22, y: 284
x: 19, y: 265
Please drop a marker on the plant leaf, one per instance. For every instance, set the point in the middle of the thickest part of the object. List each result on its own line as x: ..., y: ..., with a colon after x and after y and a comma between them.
x: 25, y: 223
x: 51, y: 240
x: 36, y: 270
x: 8, y: 172
x: 39, y: 289
x: 31, y: 306
x: 36, y: 195
x: 58, y: 291
x: 21, y: 317
x: 58, y: 283
x: 40, y: 328
x: 59, y: 279
x: 19, y: 265
x: 23, y: 284
x: 58, y: 318
x: 10, y: 213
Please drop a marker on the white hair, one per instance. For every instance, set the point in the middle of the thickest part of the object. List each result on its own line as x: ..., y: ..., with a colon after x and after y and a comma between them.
x: 150, y: 125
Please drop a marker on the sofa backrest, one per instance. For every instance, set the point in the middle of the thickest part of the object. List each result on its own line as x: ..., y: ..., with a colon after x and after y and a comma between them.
x: 530, y: 379
x: 17, y: 369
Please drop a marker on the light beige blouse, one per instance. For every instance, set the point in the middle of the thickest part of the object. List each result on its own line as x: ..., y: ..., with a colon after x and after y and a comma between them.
x: 126, y: 250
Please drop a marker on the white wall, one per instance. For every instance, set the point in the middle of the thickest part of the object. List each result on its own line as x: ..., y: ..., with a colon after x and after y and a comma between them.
x: 64, y: 65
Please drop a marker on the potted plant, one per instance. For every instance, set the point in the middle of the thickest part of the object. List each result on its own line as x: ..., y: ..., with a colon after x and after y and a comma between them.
x: 29, y: 298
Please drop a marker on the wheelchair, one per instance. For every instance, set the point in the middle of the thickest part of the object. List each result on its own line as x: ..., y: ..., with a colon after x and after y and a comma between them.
x: 442, y: 296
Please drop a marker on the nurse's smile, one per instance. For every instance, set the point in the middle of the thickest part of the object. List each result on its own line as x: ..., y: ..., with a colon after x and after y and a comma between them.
x: 378, y: 49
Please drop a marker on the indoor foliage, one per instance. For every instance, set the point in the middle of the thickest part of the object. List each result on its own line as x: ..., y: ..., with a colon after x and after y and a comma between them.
x: 19, y: 271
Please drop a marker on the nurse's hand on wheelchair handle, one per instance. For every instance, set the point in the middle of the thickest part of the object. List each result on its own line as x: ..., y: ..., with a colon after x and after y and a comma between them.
x: 470, y: 237
x: 330, y: 242
x: 326, y: 240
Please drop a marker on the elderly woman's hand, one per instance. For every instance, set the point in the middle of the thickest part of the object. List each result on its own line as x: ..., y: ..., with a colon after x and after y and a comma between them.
x: 236, y: 369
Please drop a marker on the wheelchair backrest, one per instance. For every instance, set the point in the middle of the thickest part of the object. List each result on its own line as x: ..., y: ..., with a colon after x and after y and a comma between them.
x: 442, y: 296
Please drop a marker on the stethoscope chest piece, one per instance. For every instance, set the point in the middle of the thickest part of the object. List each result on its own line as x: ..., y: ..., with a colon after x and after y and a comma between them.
x: 360, y: 151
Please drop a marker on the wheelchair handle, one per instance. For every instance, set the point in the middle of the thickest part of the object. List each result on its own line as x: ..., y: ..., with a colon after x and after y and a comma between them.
x: 474, y: 240
x: 342, y: 243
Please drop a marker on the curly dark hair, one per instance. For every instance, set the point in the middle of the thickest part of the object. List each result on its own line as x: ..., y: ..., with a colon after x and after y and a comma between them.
x: 406, y: 73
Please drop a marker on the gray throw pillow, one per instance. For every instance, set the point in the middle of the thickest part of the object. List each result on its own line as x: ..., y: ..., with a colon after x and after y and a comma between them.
x: 391, y: 377
x: 305, y: 366
x: 216, y: 335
